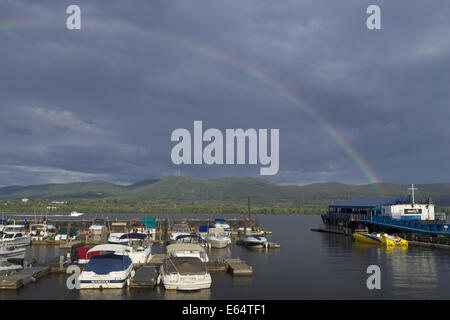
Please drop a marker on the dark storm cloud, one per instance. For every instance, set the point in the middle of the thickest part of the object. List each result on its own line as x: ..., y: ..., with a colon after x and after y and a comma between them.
x: 101, y: 102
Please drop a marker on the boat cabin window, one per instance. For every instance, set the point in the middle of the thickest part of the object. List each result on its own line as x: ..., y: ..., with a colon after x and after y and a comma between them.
x: 17, y: 235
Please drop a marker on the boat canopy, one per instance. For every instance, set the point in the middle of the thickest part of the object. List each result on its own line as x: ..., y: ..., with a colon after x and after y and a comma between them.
x: 108, y: 263
x: 220, y: 220
x: 138, y: 236
x: 192, y: 236
x: 203, y: 229
x: 184, y: 247
x: 184, y: 265
x: 110, y: 247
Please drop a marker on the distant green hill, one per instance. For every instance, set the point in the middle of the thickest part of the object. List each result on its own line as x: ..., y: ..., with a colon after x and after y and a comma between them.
x: 228, y: 190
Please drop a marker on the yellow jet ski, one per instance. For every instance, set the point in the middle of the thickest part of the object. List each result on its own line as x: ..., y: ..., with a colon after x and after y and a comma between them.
x: 380, y: 239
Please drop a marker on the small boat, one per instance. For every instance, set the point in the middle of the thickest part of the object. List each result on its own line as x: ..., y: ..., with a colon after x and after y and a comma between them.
x: 7, y: 268
x: 62, y: 234
x: 187, y: 250
x: 111, y: 270
x: 76, y: 214
x: 179, y: 229
x: 380, y: 239
x: 222, y: 224
x: 97, y: 230
x: 255, y: 241
x: 190, y: 238
x: 184, y: 273
x: 42, y: 231
x: 118, y: 229
x: 12, y: 252
x: 217, y: 238
x: 139, y: 249
x: 15, y: 235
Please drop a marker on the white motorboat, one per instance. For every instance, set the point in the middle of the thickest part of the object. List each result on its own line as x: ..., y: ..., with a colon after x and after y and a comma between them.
x: 42, y: 231
x: 222, y: 224
x: 184, y: 273
x: 15, y: 235
x: 118, y: 229
x: 12, y: 252
x: 255, y: 241
x: 217, y: 238
x: 179, y: 229
x: 139, y: 249
x: 7, y: 268
x: 191, y: 238
x: 97, y: 230
x: 110, y: 270
x: 187, y: 250
x: 76, y: 214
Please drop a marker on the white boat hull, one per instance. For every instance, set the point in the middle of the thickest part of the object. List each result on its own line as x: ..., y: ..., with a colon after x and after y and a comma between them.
x: 18, y: 242
x: 18, y: 253
x: 117, y: 279
x: 185, y: 282
x: 218, y: 243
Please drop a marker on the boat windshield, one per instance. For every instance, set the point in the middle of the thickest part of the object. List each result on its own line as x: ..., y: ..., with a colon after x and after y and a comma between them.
x: 14, y: 229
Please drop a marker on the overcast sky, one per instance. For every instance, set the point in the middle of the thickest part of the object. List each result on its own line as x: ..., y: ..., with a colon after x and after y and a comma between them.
x: 100, y: 103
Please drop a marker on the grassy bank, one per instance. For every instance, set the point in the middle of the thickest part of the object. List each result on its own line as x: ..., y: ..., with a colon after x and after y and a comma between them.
x: 143, y: 206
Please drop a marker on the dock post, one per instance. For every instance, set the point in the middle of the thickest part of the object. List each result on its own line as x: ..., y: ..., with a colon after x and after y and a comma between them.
x: 68, y: 233
x: 61, y: 262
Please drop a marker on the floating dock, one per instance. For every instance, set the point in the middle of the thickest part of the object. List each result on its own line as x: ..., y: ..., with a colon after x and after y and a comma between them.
x: 23, y: 277
x: 144, y: 277
x: 238, y: 267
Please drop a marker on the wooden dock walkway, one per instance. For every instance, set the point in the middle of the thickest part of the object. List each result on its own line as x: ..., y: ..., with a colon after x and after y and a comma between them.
x: 238, y: 267
x: 156, y: 259
x: 23, y: 277
x: 144, y: 277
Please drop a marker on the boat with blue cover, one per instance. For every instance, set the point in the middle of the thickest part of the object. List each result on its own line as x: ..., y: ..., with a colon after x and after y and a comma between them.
x: 255, y: 241
x: 111, y: 270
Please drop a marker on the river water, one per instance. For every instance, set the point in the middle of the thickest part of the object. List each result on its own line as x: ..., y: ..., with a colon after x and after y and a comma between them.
x: 309, y: 265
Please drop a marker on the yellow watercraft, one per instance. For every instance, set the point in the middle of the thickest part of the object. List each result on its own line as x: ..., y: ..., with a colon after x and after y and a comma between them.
x: 380, y: 239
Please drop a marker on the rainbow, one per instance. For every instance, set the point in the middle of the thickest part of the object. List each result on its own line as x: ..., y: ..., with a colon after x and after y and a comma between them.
x: 115, y: 24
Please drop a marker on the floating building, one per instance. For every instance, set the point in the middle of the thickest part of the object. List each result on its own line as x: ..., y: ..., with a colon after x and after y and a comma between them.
x: 386, y: 214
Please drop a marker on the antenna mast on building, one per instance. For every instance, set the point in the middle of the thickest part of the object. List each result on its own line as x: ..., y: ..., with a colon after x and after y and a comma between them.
x: 412, y: 192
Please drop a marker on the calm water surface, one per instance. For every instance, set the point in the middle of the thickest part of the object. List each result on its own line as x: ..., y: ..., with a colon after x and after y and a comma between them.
x: 309, y: 265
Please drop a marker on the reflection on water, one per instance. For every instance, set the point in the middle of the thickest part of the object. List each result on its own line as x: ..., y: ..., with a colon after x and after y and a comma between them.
x: 105, y: 294
x: 219, y: 254
x: 203, y: 294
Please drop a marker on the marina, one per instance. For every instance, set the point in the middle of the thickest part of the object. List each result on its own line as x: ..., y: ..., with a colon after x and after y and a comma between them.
x: 111, y: 259
x: 324, y: 263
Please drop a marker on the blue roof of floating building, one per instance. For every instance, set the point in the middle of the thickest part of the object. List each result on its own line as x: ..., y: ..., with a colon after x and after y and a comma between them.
x: 369, y: 202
